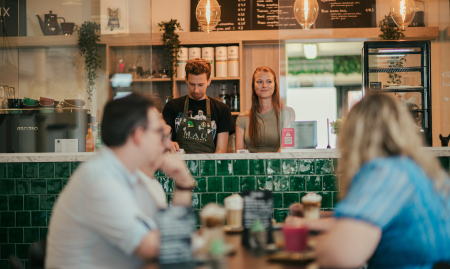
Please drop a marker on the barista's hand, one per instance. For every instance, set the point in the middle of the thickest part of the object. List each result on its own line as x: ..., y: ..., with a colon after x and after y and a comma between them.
x: 175, y: 147
x: 176, y: 168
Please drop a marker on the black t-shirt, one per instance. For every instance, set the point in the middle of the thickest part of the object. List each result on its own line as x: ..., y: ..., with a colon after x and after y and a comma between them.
x: 221, y: 117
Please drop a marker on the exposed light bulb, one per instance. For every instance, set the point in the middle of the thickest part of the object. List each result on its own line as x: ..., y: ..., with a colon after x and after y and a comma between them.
x: 402, y: 12
x: 208, y: 14
x: 310, y: 51
x: 306, y: 12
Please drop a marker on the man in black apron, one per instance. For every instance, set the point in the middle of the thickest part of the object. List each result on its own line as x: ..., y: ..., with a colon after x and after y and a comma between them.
x: 200, y: 124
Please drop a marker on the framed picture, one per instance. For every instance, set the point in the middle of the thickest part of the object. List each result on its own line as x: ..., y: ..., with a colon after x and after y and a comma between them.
x: 114, y: 17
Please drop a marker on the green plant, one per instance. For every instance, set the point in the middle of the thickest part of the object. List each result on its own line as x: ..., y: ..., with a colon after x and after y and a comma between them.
x: 88, y: 39
x: 395, y: 78
x: 389, y: 29
x: 347, y: 64
x: 171, y: 45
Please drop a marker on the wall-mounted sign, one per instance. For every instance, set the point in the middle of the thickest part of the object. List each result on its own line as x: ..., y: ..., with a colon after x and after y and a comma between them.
x: 279, y: 14
x: 13, y: 18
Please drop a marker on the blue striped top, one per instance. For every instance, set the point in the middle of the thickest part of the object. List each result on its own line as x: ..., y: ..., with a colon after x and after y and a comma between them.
x: 395, y: 194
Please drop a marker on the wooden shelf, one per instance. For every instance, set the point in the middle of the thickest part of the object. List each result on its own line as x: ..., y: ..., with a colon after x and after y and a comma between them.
x: 233, y: 37
x: 213, y: 79
x: 151, y: 79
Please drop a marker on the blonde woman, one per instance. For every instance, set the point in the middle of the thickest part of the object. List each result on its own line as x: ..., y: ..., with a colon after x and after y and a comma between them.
x: 259, y: 129
x: 395, y: 208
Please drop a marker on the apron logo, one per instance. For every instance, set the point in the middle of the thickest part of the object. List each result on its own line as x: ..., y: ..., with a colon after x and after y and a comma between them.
x: 208, y: 125
x: 200, y: 128
x: 209, y: 131
x: 190, y: 124
x: 203, y: 124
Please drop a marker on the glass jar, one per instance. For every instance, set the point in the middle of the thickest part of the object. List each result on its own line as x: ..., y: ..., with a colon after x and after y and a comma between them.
x: 419, y: 17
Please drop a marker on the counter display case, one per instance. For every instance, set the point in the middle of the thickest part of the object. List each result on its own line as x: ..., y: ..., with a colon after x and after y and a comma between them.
x: 401, y: 69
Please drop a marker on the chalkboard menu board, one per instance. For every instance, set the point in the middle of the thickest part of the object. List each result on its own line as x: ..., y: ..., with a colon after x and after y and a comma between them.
x: 258, y: 205
x: 279, y: 14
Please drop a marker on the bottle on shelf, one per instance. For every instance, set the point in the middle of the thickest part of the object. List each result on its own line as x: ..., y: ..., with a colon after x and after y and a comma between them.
x: 235, y: 103
x: 98, y: 138
x: 225, y: 98
x: 90, y: 139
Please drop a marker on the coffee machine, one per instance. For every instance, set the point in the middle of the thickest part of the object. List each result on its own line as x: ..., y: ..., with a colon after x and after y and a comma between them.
x: 29, y: 130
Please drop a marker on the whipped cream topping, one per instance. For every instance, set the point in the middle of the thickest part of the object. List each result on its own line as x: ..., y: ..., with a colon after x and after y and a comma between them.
x: 234, y: 202
x: 213, y: 210
x: 311, y: 197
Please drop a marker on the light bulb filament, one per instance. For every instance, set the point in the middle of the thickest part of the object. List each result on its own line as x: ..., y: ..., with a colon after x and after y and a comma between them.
x: 403, y: 10
x: 306, y: 10
x: 208, y: 12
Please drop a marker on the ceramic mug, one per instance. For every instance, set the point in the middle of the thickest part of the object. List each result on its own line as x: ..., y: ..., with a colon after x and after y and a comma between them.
x: 295, y: 239
x: 68, y: 28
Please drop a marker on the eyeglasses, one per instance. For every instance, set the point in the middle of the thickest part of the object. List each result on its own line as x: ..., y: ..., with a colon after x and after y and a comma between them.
x: 164, y: 136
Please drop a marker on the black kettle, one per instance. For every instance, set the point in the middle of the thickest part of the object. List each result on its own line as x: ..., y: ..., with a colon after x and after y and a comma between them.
x: 49, y: 25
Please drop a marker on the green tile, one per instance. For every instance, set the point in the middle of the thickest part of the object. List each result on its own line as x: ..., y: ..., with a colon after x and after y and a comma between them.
x: 330, y: 183
x: 240, y: 167
x: 31, y: 202
x: 324, y: 166
x: 38, y: 186
x: 54, y: 186
x: 222, y: 196
x: 273, y: 167
x: 64, y: 182
x: 30, y: 170
x: 257, y: 167
x: 314, y: 183
x: 215, y: 184
x: 7, y: 219
x: 15, y: 202
x: 74, y: 166
x: 201, y: 184
x: 46, y: 170
x: 167, y: 184
x: 297, y: 183
x: 46, y: 202
x: 280, y: 214
x: 158, y: 173
x: 14, y: 170
x: 231, y: 184
x: 336, y: 198
x: 277, y: 199
x: 264, y: 183
x: 281, y: 183
x: 306, y: 166
x: 4, y: 264
x: 6, y: 250
x: 224, y: 168
x: 62, y: 170
x: 43, y: 233
x: 23, y: 219
x: 3, y: 202
x: 49, y: 214
x: 196, y: 200
x: 208, y: 198
x: 290, y: 198
x: 336, y: 166
x: 445, y: 163
x: 3, y: 235
x: 15, y: 235
x: 289, y: 167
x: 38, y: 218
x: 193, y: 167
x: 23, y: 186
x: 22, y: 250
x: 3, y: 173
x: 327, y: 199
x: 8, y: 186
x: 207, y: 168
x: 248, y: 183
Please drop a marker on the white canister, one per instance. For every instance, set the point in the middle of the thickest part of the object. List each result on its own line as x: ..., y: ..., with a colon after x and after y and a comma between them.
x: 182, y: 59
x: 181, y: 70
x: 208, y: 55
x: 233, y: 61
x: 221, y: 62
x: 195, y: 53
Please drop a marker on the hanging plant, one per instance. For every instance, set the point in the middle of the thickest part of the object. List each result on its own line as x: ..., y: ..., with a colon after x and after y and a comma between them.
x: 171, y: 45
x: 347, y: 64
x: 389, y: 29
x: 88, y: 45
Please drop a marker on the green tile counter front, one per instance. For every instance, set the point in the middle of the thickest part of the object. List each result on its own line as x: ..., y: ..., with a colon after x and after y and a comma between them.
x: 31, y: 183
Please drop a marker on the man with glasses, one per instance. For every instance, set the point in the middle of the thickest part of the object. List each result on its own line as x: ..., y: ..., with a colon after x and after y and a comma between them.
x: 103, y: 217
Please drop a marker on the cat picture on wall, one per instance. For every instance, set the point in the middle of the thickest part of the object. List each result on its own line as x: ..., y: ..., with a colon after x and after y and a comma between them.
x: 113, y: 20
x: 114, y: 16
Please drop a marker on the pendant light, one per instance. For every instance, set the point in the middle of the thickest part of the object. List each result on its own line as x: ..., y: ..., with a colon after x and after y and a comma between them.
x: 306, y: 12
x: 402, y: 12
x: 208, y: 14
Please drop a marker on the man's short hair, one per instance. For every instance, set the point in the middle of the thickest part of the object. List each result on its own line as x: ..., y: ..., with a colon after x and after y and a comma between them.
x: 122, y: 116
x: 198, y: 66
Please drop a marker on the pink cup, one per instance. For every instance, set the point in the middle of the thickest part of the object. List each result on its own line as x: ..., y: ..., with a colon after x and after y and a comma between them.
x: 295, y: 238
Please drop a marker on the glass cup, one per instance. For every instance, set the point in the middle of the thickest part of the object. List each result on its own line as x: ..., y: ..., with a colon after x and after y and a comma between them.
x: 295, y: 239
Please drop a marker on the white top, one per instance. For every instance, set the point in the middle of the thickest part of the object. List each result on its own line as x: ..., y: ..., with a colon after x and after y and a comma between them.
x: 100, y: 217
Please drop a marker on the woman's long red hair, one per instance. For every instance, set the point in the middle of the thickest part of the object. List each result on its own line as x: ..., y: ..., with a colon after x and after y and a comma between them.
x: 254, y: 110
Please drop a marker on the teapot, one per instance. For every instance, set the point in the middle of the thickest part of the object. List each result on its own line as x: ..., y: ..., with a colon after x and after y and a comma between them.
x: 50, y: 24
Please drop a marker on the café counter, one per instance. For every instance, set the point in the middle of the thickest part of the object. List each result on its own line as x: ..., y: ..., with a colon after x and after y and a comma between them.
x: 31, y: 182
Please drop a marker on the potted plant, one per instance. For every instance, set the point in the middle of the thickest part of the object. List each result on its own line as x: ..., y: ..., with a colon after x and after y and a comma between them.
x: 171, y: 45
x: 88, y: 45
